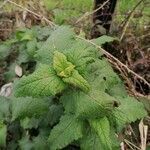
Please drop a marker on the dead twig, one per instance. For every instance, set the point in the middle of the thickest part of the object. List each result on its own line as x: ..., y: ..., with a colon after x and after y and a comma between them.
x: 126, y: 24
x: 143, y: 134
x: 90, y: 13
x: 115, y: 59
x: 37, y: 15
x: 131, y: 145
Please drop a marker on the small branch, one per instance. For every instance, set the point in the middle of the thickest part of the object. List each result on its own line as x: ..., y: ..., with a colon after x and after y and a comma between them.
x: 115, y: 59
x: 37, y: 15
x: 90, y: 13
x: 126, y: 24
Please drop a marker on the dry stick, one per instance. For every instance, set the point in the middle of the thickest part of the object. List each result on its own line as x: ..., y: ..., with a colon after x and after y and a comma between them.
x: 131, y: 144
x: 90, y: 13
x: 114, y: 58
x: 38, y: 15
x: 128, y: 19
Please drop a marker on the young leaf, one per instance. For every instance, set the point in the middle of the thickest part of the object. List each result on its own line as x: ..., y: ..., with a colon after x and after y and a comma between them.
x: 68, y: 130
x: 102, y: 128
x: 129, y: 111
x: 66, y: 70
x: 28, y: 107
x: 3, y: 134
x: 88, y: 105
x: 78, y: 81
x: 60, y: 64
x: 43, y: 82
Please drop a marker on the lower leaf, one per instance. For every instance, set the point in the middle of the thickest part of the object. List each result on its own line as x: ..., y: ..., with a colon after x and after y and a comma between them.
x: 68, y: 130
x: 102, y: 128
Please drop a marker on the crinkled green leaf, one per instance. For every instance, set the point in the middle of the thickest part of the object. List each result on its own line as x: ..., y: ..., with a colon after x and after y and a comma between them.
x: 31, y: 47
x: 81, y: 54
x: 102, y: 128
x: 129, y: 111
x: 54, y: 114
x: 77, y: 80
x: 66, y: 70
x: 25, y: 34
x: 60, y: 64
x: 4, y: 108
x: 88, y: 105
x: 43, y: 82
x: 101, y: 75
x: 4, y: 51
x: 3, y: 134
x: 40, y: 143
x: 103, y: 39
x: 91, y: 141
x: 28, y: 107
x: 60, y: 39
x: 68, y: 130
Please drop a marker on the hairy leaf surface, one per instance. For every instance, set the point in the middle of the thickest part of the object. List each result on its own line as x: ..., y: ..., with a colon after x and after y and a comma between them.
x: 68, y: 130
x: 60, y: 39
x: 91, y: 141
x: 43, y: 82
x: 28, y: 107
x: 129, y: 111
x: 102, y: 128
x: 88, y: 105
x: 61, y: 65
x: 4, y: 108
x: 3, y: 134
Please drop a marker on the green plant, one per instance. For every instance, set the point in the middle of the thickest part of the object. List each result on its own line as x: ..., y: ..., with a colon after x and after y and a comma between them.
x: 73, y: 98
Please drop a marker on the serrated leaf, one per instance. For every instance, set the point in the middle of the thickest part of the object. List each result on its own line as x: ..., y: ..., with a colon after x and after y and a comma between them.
x: 43, y: 82
x: 60, y: 39
x: 88, y: 105
x: 3, y: 134
x: 31, y: 47
x: 4, y: 108
x: 103, y: 39
x: 54, y: 114
x: 129, y: 111
x: 81, y: 54
x: 40, y: 143
x: 25, y: 143
x: 78, y: 81
x: 61, y: 65
x: 66, y: 70
x: 28, y: 107
x: 91, y: 141
x: 4, y: 51
x: 24, y: 34
x: 68, y: 130
x: 101, y: 75
x: 102, y: 128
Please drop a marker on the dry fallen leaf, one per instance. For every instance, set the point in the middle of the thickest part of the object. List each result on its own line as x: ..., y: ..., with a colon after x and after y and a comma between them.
x: 18, y: 71
x: 6, y: 90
